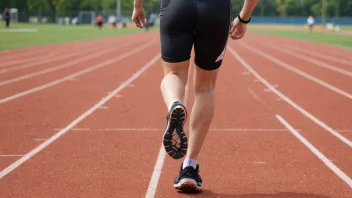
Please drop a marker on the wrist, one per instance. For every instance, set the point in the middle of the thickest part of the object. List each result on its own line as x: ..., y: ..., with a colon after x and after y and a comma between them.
x: 244, y: 16
x: 137, y: 5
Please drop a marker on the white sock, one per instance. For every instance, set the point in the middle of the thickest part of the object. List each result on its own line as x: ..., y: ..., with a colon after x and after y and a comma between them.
x: 171, y: 103
x: 189, y: 162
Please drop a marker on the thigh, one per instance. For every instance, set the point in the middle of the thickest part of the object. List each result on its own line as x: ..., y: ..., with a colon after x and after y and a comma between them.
x: 212, y: 32
x: 177, y: 29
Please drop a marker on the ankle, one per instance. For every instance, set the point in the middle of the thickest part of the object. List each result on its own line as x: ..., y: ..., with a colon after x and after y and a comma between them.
x: 190, y: 162
x: 172, y: 102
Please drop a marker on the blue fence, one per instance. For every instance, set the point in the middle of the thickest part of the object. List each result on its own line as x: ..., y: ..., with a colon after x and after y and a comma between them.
x: 298, y: 20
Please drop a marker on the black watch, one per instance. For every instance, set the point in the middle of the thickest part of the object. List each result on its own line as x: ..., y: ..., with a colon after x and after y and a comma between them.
x: 243, y: 21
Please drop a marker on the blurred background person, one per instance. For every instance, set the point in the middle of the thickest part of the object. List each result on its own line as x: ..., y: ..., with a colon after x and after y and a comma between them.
x: 99, y: 21
x: 310, y: 23
x: 6, y: 17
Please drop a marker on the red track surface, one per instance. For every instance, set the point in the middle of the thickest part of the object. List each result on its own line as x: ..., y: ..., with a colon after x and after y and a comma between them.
x: 70, y: 132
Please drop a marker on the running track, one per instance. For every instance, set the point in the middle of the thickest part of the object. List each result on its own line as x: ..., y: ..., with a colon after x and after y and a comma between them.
x: 86, y: 118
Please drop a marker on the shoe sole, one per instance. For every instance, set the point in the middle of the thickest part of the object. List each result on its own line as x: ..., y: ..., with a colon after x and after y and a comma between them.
x: 172, y: 151
x: 187, y: 185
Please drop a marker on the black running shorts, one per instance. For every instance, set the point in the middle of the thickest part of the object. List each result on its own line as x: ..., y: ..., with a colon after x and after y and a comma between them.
x: 202, y: 23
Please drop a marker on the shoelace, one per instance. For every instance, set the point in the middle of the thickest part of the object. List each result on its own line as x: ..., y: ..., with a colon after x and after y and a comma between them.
x: 193, y: 173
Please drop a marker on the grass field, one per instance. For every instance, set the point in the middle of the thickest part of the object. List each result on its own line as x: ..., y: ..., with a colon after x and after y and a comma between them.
x: 298, y: 32
x: 50, y: 33
x: 18, y: 36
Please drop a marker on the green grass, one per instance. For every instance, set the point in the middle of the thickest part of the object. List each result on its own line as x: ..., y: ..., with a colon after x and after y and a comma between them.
x: 346, y: 27
x: 52, y: 33
x: 318, y: 37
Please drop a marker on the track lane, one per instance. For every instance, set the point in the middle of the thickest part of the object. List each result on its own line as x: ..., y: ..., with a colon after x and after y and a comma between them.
x: 18, y: 87
x: 340, y: 80
x: 329, y: 50
x: 37, y: 115
x: 314, y: 54
x: 323, y: 57
x: 43, y: 56
x: 326, y: 142
x: 13, y: 54
x: 23, y: 69
x: 333, y: 109
x: 109, y: 161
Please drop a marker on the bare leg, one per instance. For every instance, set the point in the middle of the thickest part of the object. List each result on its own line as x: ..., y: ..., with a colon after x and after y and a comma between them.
x: 173, y: 91
x: 174, y: 81
x: 203, y: 110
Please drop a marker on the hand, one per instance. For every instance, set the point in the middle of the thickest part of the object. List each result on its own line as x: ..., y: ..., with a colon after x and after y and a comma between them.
x: 138, y: 17
x: 238, y: 29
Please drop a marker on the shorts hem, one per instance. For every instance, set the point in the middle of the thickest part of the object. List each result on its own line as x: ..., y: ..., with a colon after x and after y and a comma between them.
x: 174, y: 60
x: 213, y: 66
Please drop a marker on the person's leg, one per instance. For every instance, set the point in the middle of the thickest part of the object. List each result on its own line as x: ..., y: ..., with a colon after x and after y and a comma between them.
x: 174, y: 82
x: 203, y: 109
x: 211, y: 35
x: 210, y: 46
x: 177, y: 37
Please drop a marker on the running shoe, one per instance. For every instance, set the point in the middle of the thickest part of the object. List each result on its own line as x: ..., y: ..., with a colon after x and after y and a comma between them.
x: 175, y: 140
x: 188, y: 180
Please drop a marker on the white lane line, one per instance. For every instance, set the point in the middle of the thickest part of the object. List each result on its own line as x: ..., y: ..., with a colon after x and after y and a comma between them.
x: 153, y: 184
x: 295, y: 70
x: 259, y: 99
x: 74, y: 75
x: 104, y: 107
x: 9, y: 63
x: 313, y: 61
x: 320, y: 55
x: 11, y: 155
x: 289, y: 101
x: 64, y: 65
x: 316, y: 152
x: 47, y: 60
x: 36, y: 150
x: 20, y: 30
x: 38, y: 57
x: 40, y: 53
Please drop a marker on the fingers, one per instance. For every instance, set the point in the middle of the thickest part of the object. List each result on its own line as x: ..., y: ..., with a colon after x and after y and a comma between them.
x: 237, y: 35
x: 138, y: 17
x: 138, y: 22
